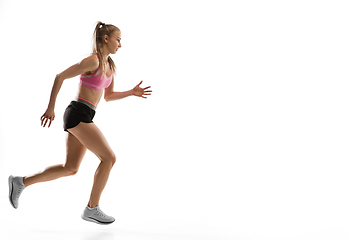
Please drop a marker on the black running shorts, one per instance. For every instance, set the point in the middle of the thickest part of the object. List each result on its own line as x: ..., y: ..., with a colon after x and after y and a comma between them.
x: 77, y: 112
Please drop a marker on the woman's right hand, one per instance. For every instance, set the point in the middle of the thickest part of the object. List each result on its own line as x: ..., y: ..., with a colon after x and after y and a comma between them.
x: 49, y: 115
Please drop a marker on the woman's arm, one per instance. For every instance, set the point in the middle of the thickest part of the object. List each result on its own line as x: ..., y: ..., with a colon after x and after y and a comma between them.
x: 88, y: 64
x: 110, y: 95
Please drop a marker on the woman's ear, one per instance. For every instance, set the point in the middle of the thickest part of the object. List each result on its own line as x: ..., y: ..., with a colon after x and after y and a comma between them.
x: 106, y: 38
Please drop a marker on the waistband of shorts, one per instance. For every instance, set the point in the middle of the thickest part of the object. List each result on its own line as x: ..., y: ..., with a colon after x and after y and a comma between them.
x: 83, y: 101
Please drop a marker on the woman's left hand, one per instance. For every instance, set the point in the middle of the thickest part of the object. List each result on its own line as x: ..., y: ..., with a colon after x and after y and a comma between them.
x: 140, y: 92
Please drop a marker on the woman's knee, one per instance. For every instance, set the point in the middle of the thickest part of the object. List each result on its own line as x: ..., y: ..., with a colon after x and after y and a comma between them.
x: 70, y: 170
x: 110, y: 158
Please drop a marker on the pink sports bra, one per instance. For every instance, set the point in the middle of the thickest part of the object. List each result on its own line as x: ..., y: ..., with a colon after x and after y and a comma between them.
x: 97, y: 81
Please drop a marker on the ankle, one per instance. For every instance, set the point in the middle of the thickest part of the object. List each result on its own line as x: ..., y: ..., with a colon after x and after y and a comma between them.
x: 23, y: 180
x: 92, y: 205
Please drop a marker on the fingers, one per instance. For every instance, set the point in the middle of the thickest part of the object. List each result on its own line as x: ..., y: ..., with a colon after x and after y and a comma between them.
x: 148, y: 92
x: 139, y: 83
x: 50, y: 122
x: 42, y: 120
x: 46, y: 119
x: 145, y: 94
x: 142, y: 90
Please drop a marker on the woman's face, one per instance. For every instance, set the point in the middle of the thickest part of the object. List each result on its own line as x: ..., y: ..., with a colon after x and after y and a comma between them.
x: 113, y: 42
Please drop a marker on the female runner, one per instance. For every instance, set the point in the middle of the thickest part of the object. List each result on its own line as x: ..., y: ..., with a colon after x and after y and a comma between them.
x: 96, y: 75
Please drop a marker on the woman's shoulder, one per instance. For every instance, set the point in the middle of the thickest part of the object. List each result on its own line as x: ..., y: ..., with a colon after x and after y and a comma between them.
x: 91, y: 62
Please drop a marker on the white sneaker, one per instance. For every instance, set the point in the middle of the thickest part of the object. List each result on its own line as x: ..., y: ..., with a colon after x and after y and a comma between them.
x: 16, y: 186
x: 96, y: 215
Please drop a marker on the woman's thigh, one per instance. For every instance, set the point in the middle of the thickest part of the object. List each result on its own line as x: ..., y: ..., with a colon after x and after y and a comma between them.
x: 75, y: 152
x: 93, y: 139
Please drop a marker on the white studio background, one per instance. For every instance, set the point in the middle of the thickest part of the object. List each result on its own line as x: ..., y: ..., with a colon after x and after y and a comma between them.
x: 252, y: 131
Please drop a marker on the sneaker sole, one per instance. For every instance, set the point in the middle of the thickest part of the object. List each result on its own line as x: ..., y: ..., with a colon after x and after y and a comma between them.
x: 11, y: 190
x: 90, y: 219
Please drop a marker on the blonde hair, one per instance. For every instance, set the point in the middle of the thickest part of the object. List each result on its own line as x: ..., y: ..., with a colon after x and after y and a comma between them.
x: 101, y: 30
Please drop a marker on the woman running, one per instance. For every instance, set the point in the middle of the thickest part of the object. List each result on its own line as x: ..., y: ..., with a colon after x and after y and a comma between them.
x: 96, y: 75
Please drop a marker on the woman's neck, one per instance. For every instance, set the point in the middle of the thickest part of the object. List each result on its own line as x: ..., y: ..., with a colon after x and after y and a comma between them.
x: 105, y: 55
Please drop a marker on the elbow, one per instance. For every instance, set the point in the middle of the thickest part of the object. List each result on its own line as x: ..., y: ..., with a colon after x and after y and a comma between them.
x: 59, y: 77
x: 107, y: 98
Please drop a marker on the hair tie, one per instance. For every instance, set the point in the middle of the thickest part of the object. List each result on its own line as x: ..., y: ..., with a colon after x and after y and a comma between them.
x: 102, y: 24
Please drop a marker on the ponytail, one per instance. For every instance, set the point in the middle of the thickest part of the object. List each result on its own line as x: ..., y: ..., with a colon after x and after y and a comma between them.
x: 101, y: 30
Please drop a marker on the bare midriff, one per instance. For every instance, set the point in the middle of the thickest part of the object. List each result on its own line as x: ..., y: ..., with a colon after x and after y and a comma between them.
x: 90, y: 95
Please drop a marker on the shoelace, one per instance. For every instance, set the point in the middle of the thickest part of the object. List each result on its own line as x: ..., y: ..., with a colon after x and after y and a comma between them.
x: 101, y: 214
x: 20, y: 189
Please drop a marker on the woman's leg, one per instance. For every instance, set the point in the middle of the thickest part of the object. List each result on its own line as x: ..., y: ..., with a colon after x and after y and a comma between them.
x: 92, y: 138
x: 75, y: 152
